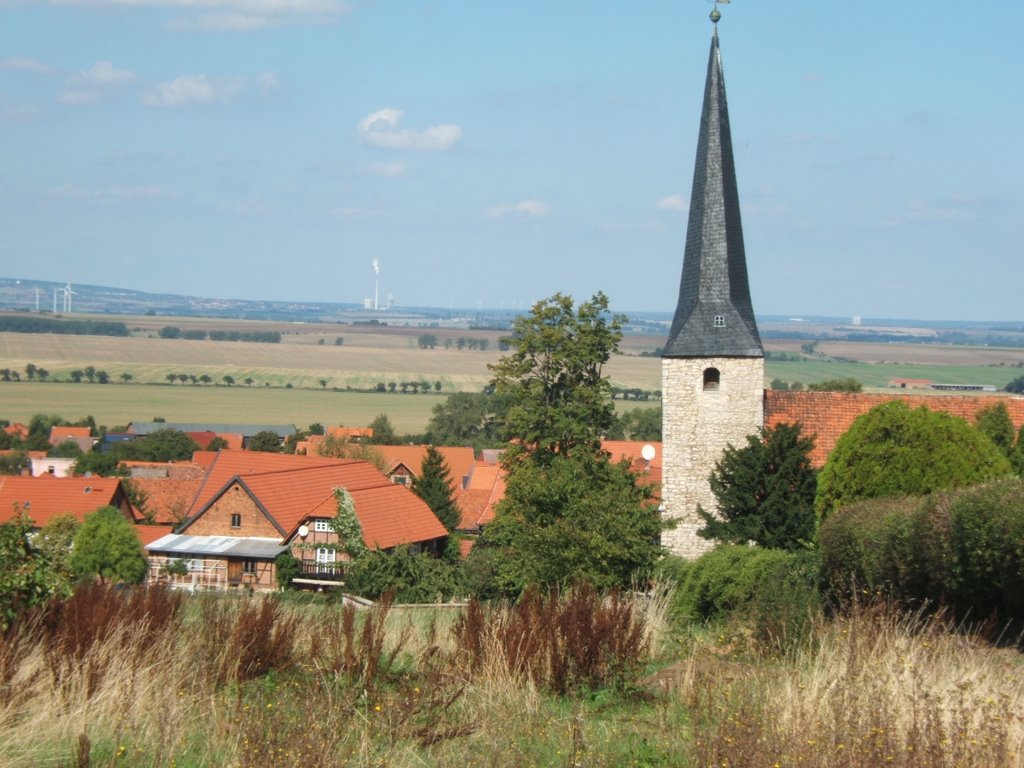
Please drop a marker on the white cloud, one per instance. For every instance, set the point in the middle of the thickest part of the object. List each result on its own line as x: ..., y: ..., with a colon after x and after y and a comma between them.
x: 528, y: 207
x: 397, y: 168
x: 80, y: 97
x: 268, y: 81
x: 142, y: 192
x: 234, y: 15
x: 191, y: 89
x: 956, y: 208
x: 17, y: 64
x: 380, y: 129
x: 672, y: 203
x: 102, y: 73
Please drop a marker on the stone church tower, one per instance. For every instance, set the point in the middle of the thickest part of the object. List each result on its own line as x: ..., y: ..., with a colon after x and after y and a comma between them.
x: 712, y: 368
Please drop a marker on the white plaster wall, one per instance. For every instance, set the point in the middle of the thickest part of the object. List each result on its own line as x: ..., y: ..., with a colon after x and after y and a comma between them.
x: 697, y: 425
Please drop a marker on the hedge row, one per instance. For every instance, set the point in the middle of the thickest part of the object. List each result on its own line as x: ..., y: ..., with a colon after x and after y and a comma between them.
x: 962, y: 549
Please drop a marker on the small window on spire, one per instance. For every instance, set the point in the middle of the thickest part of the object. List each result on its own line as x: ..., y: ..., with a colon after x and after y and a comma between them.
x: 719, y: 321
x: 712, y: 378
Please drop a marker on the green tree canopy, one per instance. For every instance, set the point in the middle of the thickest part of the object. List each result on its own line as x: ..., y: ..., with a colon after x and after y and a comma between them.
x: 161, y: 445
x: 893, y: 450
x: 467, y: 418
x: 994, y: 422
x: 849, y: 384
x: 383, y: 432
x: 569, y: 513
x: 265, y: 442
x: 27, y: 577
x: 765, y: 491
x: 106, y: 546
x: 579, y: 517
x: 433, y: 485
x: 553, y: 375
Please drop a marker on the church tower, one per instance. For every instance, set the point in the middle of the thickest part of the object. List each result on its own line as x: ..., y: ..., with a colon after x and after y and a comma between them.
x: 712, y: 367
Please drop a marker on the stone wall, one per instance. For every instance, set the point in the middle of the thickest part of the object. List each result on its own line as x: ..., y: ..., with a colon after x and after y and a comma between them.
x: 697, y: 425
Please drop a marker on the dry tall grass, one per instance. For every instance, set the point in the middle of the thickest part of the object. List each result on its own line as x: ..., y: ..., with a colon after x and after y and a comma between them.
x: 873, y: 688
x: 143, y: 679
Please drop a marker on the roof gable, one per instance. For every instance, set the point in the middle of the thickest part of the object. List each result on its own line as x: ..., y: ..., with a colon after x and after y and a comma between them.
x: 43, y: 498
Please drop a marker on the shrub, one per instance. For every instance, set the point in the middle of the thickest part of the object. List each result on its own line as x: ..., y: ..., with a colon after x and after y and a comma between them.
x: 735, y: 577
x: 987, y: 544
x: 877, y: 546
x: 286, y: 568
x: 420, y: 578
x: 960, y: 549
x: 894, y: 450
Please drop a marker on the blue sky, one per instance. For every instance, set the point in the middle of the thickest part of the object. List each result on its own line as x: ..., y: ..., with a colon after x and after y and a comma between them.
x: 491, y: 153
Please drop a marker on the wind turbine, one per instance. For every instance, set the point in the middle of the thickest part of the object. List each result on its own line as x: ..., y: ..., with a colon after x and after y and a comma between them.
x: 68, y: 293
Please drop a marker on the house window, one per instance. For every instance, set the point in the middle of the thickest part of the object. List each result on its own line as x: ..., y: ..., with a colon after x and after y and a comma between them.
x: 325, y: 555
x: 719, y: 321
x: 195, y: 565
x: 712, y: 378
x: 322, y: 526
x: 400, y: 479
x: 249, y: 566
x: 236, y: 520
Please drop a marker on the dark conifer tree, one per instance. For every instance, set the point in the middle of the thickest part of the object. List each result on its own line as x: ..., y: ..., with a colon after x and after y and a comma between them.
x: 434, y: 486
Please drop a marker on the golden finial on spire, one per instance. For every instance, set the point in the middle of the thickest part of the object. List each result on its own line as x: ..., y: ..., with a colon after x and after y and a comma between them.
x: 715, y: 15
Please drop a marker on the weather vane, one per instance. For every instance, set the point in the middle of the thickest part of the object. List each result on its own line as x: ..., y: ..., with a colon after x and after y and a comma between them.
x: 715, y: 15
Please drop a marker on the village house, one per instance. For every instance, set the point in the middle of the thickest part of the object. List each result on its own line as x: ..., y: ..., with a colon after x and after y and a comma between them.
x: 252, y: 507
x: 43, y: 498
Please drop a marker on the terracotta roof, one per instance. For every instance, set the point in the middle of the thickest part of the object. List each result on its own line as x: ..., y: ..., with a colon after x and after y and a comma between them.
x: 228, y: 464
x: 149, y: 533
x: 168, y: 499
x: 458, y: 458
x: 827, y: 415
x: 292, y: 495
x: 631, y: 449
x: 235, y: 441
x: 389, y: 514
x: 60, y: 434
x: 486, y: 488
x: 48, y: 496
x: 17, y: 429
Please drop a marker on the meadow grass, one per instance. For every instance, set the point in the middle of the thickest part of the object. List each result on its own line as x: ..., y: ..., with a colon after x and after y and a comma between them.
x: 207, y: 680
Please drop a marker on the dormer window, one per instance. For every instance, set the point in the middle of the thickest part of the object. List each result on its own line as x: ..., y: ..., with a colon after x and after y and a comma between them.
x: 719, y: 321
x: 712, y: 378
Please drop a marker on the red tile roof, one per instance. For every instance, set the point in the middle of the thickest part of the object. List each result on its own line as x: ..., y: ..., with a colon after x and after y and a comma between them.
x: 458, y: 458
x: 827, y: 415
x: 149, y: 533
x: 633, y: 450
x: 45, y: 497
x: 59, y: 434
x: 167, y: 499
x: 228, y: 464
x: 18, y: 429
x: 235, y: 442
x: 486, y: 488
x: 390, y: 514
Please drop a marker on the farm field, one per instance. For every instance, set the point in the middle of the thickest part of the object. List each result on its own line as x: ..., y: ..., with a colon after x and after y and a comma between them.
x: 117, y: 404
x: 378, y: 358
x: 371, y: 355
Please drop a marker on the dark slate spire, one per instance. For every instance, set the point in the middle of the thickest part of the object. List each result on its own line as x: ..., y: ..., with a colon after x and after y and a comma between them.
x: 714, y: 316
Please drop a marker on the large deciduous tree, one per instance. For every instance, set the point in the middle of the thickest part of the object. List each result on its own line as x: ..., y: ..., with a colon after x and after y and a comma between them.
x: 765, y: 491
x: 893, y: 450
x: 106, y: 547
x: 554, y: 378
x: 569, y: 513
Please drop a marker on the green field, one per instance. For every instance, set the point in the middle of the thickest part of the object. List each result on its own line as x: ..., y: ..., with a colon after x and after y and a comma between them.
x: 118, y: 404
x: 286, y: 378
x: 879, y: 374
